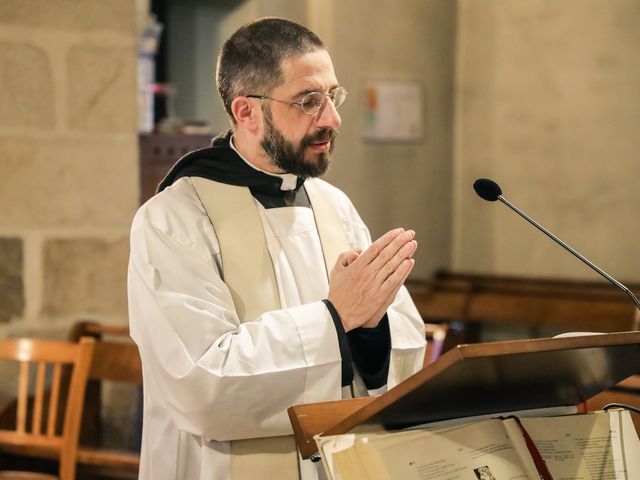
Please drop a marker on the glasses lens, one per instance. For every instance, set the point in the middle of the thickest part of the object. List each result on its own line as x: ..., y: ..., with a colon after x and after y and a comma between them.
x: 338, y: 96
x: 312, y: 103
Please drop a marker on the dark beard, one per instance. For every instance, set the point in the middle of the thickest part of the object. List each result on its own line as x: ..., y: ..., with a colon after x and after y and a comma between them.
x: 290, y: 159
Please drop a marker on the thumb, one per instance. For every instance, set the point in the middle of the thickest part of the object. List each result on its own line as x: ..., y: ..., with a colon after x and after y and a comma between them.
x: 351, y: 256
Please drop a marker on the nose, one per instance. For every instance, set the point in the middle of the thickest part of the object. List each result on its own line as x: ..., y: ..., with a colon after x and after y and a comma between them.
x: 328, y: 116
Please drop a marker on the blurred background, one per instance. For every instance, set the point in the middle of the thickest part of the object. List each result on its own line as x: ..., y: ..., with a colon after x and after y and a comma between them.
x: 98, y: 98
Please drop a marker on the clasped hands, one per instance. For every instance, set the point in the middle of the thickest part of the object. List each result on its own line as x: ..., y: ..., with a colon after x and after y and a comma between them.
x: 362, y: 285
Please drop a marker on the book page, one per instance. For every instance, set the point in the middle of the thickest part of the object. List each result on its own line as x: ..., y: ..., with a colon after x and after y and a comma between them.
x: 581, y: 447
x: 630, y: 443
x: 479, y: 450
x: 345, y: 450
x: 596, y: 445
x: 329, y: 446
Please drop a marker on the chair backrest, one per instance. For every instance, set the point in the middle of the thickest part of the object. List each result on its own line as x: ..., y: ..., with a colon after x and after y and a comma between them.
x: 116, y: 363
x: 36, y: 420
x: 112, y: 360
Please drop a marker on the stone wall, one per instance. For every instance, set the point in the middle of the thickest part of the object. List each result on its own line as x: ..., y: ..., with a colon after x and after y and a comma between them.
x: 68, y: 162
x: 548, y: 104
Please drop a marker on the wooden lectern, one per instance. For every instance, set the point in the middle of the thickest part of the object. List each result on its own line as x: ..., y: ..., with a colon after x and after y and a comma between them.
x: 481, y: 379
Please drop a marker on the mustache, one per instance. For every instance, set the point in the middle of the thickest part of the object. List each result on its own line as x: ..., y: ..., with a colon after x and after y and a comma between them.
x: 324, y: 135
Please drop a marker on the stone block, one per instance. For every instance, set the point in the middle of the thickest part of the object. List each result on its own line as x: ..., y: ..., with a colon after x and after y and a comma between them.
x: 79, y: 15
x: 101, y: 91
x: 66, y: 182
x: 85, y: 276
x: 26, y: 87
x: 11, y: 284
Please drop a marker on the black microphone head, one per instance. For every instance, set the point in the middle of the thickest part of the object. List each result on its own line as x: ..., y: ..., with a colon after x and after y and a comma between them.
x: 487, y: 189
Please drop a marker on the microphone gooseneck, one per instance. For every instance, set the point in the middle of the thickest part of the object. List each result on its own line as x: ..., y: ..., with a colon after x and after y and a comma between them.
x: 491, y: 191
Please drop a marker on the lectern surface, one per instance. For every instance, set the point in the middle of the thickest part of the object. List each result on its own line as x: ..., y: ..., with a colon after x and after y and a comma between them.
x: 480, y: 379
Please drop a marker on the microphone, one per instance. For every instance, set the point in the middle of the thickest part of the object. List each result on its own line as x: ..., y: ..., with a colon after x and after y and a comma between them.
x: 491, y: 191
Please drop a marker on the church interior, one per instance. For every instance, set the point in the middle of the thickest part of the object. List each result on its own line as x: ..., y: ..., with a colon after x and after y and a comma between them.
x: 99, y: 99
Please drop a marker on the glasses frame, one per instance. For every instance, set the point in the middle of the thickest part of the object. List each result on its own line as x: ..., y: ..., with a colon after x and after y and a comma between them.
x: 331, y: 96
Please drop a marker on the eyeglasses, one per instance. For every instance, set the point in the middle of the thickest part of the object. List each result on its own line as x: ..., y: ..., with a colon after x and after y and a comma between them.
x: 313, y: 102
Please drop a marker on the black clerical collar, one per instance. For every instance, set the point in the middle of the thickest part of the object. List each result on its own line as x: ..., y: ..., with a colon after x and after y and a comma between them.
x: 222, y: 163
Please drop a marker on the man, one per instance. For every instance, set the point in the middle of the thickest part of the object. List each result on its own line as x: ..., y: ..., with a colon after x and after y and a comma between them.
x: 253, y: 285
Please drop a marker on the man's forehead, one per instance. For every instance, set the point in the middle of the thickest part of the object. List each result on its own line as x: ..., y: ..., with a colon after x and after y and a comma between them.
x: 309, y: 71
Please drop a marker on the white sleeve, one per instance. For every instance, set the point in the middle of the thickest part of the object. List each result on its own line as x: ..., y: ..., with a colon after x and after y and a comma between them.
x: 407, y: 339
x: 216, y: 377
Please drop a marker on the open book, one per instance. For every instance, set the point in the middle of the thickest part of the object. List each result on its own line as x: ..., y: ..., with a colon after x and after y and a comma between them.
x: 597, y: 445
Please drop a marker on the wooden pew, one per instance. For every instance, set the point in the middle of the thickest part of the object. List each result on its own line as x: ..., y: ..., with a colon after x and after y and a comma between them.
x: 564, y: 305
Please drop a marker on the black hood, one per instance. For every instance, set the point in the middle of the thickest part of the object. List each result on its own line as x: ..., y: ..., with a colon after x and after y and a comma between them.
x: 222, y: 164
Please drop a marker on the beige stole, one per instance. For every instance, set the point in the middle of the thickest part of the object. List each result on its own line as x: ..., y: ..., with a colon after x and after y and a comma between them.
x: 250, y: 277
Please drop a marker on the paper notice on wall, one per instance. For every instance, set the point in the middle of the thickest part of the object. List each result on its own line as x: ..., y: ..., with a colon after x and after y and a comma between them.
x: 393, y: 111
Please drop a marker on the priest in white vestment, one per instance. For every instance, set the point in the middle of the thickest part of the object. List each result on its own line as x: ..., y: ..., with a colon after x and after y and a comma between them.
x: 253, y: 284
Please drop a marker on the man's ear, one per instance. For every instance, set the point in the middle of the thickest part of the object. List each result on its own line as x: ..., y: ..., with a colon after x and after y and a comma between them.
x: 245, y: 113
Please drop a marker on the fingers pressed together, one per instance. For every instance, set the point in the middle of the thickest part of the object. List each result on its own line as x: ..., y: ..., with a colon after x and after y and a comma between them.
x: 362, y: 285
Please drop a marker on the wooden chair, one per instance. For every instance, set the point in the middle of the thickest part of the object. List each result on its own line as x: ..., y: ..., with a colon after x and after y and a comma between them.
x: 115, y: 359
x: 36, y: 432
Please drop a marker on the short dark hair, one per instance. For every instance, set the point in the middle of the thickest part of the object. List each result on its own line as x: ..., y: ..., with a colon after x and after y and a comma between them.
x: 250, y: 60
